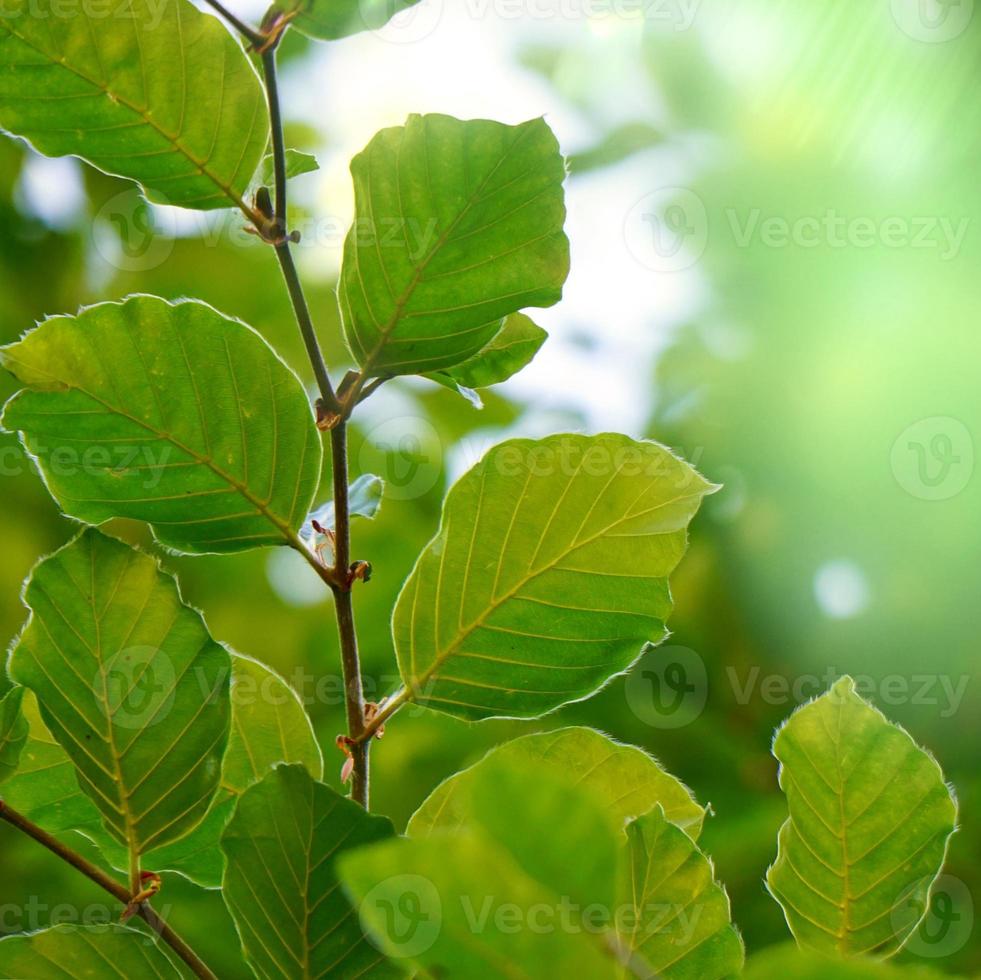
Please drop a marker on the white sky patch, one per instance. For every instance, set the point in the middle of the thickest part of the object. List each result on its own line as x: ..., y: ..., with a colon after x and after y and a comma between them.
x: 841, y: 589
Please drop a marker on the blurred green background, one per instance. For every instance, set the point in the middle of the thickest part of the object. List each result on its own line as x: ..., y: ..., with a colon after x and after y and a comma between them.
x: 774, y: 214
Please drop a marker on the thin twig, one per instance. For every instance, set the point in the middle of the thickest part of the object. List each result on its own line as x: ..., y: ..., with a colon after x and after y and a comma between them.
x: 388, y: 708
x: 350, y: 661
x: 253, y: 36
x: 282, y: 245
x: 113, y: 887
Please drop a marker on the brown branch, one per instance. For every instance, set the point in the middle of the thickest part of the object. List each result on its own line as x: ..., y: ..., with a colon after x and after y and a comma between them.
x: 109, y: 884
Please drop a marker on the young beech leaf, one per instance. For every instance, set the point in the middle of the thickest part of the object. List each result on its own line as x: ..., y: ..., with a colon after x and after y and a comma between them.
x: 281, y: 884
x: 328, y: 20
x: 130, y: 684
x: 269, y: 726
x: 549, y: 574
x: 69, y: 952
x: 870, y: 820
x: 680, y: 921
x: 554, y: 893
x: 788, y: 962
x: 364, y: 497
x: 511, y: 349
x: 296, y: 163
x: 177, y: 416
x: 627, y: 779
x: 457, y: 225
x: 161, y: 93
x: 13, y: 732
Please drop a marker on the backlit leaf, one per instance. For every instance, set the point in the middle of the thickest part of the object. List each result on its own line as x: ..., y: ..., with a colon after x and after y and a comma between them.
x: 329, y: 20
x: 158, y: 92
x: 510, y: 350
x: 625, y: 777
x: 296, y: 163
x: 171, y: 414
x: 549, y: 574
x: 681, y: 924
x: 13, y: 732
x: 870, y: 821
x: 69, y: 952
x: 281, y: 883
x: 457, y: 225
x: 130, y: 684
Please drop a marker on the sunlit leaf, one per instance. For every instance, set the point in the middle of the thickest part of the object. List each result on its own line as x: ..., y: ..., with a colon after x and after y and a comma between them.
x: 870, y: 820
x: 130, y: 684
x: 281, y: 884
x: 787, y: 961
x: 511, y: 349
x: 548, y: 575
x: 269, y: 726
x: 13, y: 732
x: 364, y: 497
x: 69, y: 952
x: 296, y: 163
x: 328, y: 20
x: 538, y: 873
x: 626, y: 778
x: 158, y: 92
x: 681, y: 924
x: 457, y: 225
x: 168, y: 413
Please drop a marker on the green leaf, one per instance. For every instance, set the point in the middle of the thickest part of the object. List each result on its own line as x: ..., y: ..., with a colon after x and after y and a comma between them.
x: 781, y: 962
x: 457, y: 225
x: 269, y: 726
x: 447, y: 904
x: 130, y: 684
x: 548, y: 575
x: 870, y: 821
x: 281, y: 884
x: 329, y: 20
x: 177, y: 416
x: 511, y: 349
x: 625, y: 777
x: 45, y: 788
x: 680, y: 921
x: 500, y: 890
x: 364, y: 497
x: 160, y: 93
x: 296, y: 163
x: 13, y: 732
x: 68, y: 952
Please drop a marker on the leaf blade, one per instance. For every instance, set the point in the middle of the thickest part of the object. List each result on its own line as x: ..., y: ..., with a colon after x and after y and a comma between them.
x: 181, y: 417
x: 280, y: 882
x: 848, y: 861
x: 596, y: 762
x: 13, y: 732
x: 101, y: 613
x: 192, y: 137
x: 428, y: 277
x: 548, y: 575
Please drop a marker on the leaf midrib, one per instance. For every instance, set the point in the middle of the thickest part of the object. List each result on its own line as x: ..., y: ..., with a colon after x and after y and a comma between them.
x: 393, y: 321
x: 441, y: 658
